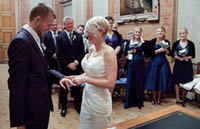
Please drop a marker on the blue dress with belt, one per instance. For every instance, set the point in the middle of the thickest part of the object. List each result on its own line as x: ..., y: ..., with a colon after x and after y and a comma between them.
x: 135, y: 78
x: 158, y: 75
x: 183, y: 70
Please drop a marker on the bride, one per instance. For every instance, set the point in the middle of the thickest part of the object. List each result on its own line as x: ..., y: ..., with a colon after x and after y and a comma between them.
x: 100, y: 71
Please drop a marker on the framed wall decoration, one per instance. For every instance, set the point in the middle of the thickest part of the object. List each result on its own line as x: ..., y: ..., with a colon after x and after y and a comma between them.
x: 136, y: 10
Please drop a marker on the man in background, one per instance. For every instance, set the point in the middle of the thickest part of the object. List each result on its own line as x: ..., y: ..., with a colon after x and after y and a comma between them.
x: 80, y: 30
x: 70, y: 53
x: 49, y: 40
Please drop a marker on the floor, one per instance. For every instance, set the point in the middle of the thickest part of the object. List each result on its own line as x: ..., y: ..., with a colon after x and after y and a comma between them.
x: 71, y: 121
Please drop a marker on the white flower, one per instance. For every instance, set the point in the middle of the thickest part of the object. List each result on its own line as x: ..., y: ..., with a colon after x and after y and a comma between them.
x: 73, y: 37
x: 164, y: 44
x: 183, y: 52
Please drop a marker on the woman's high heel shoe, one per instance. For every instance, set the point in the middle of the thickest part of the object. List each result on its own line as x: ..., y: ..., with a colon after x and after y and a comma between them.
x: 159, y: 102
x: 178, y: 102
x: 154, y: 102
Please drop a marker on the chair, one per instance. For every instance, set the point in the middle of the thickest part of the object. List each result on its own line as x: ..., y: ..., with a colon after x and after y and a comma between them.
x: 184, y: 91
x: 120, y: 88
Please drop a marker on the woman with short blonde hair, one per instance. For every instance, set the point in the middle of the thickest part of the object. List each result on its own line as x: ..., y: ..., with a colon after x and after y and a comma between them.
x: 100, y: 72
x: 183, y: 51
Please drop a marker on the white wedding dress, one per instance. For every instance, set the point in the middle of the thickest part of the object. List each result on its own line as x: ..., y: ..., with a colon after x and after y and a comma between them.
x: 97, y: 102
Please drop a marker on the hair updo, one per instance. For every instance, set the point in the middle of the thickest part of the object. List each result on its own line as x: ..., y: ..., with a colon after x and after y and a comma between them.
x: 95, y: 24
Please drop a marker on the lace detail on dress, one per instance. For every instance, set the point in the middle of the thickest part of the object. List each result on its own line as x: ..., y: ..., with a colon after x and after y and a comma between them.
x: 97, y: 100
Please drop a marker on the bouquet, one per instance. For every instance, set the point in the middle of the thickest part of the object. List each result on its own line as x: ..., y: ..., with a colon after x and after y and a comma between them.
x: 182, y: 52
x: 135, y: 44
x: 164, y: 44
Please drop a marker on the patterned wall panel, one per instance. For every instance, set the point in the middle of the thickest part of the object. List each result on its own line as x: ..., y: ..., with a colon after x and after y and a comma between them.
x: 7, y: 37
x: 6, y: 5
x: 7, y: 26
x: 6, y: 21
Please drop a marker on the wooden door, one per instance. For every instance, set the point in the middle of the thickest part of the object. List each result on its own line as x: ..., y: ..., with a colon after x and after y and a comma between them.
x: 7, y: 27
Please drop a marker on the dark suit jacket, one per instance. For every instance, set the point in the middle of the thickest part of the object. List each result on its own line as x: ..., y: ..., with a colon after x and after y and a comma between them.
x: 67, y: 53
x: 30, y: 101
x: 48, y: 41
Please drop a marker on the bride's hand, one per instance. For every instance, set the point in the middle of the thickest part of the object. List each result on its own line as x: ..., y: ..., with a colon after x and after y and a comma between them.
x: 79, y: 80
x: 65, y: 82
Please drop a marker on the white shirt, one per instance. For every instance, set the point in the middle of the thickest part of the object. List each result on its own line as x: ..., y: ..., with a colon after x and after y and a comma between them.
x: 35, y: 36
x: 68, y: 33
x: 54, y: 35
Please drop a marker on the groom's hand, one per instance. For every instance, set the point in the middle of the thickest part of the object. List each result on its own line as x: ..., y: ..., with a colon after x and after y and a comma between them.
x: 65, y: 82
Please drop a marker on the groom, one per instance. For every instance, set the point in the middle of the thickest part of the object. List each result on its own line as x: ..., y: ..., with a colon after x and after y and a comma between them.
x: 30, y: 101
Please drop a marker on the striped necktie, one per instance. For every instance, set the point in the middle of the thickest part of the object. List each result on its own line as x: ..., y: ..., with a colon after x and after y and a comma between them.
x: 70, y: 38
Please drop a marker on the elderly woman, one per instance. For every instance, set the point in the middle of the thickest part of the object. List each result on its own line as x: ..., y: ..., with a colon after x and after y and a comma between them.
x: 183, y: 51
x: 100, y: 72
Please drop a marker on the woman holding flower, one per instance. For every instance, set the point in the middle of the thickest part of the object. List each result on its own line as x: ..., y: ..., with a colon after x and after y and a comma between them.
x: 183, y: 51
x: 134, y: 51
x: 158, y: 75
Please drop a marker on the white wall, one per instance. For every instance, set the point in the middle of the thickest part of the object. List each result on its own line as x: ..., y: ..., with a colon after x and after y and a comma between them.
x: 78, y: 12
x: 76, y: 9
x: 68, y: 10
x: 100, y: 8
x: 188, y: 16
x: 35, y: 2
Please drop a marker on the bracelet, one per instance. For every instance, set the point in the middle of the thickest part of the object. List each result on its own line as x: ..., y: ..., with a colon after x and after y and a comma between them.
x: 84, y: 80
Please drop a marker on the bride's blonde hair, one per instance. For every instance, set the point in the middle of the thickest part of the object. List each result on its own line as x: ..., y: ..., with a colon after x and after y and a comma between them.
x: 95, y: 24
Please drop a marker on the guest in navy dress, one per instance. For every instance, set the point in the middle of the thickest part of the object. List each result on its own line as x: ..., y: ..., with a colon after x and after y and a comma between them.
x: 135, y: 49
x: 114, y: 39
x: 183, y: 51
x: 135, y: 75
x: 158, y: 75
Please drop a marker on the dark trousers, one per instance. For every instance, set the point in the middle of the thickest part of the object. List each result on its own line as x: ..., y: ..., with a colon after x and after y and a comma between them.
x: 38, y: 124
x: 75, y: 93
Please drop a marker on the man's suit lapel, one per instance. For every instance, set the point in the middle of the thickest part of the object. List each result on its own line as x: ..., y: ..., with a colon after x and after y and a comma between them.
x: 35, y: 46
x: 67, y: 40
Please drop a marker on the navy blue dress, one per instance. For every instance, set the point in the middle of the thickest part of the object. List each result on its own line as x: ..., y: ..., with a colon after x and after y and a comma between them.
x: 115, y: 41
x: 158, y: 74
x: 135, y: 77
x: 183, y: 70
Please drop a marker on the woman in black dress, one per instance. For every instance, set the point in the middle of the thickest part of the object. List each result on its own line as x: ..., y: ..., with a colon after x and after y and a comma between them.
x: 183, y: 51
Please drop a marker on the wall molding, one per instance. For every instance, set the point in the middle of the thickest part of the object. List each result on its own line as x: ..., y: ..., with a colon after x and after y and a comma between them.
x: 175, y: 21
